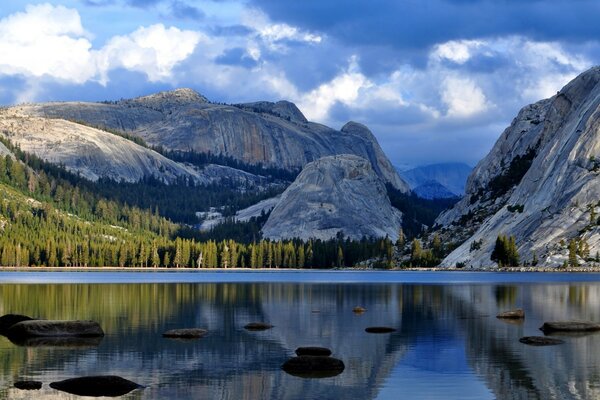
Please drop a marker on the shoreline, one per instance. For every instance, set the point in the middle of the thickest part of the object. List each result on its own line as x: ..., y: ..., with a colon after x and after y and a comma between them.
x: 200, y: 270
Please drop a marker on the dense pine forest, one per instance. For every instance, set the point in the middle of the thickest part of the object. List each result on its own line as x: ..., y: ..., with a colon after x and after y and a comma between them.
x: 50, y: 217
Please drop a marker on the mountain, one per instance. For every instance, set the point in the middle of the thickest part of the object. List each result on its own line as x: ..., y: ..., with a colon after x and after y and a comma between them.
x: 452, y: 176
x: 539, y: 184
x: 332, y: 195
x: 433, y: 190
x: 270, y: 134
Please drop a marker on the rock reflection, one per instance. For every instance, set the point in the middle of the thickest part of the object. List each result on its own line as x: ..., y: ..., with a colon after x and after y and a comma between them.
x: 233, y: 363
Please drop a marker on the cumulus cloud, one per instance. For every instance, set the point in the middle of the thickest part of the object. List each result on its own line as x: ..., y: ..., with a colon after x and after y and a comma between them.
x: 46, y: 40
x: 463, y: 97
x: 154, y: 50
x: 50, y: 41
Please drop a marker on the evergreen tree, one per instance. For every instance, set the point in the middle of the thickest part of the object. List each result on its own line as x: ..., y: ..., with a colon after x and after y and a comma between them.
x: 573, y: 253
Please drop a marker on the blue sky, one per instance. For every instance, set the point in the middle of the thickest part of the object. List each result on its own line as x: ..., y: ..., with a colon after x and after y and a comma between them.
x: 435, y: 80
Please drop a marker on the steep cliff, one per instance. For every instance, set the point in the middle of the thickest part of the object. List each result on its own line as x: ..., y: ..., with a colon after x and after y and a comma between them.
x: 335, y: 194
x: 539, y: 182
x: 274, y: 134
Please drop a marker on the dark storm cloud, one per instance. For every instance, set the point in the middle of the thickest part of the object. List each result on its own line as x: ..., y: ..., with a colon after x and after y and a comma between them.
x: 236, y: 57
x: 414, y: 24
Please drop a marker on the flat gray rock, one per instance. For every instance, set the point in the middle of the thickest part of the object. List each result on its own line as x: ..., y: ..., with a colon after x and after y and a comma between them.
x: 185, y: 333
x: 50, y: 328
x: 96, y: 386
x: 540, y: 341
x: 513, y: 314
x: 570, y: 326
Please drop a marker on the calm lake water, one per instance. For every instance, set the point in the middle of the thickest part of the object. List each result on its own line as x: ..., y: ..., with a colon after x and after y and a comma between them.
x: 448, y: 343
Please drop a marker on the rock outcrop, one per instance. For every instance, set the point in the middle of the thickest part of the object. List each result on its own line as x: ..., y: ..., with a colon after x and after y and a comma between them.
x: 335, y: 194
x: 274, y: 134
x: 539, y: 183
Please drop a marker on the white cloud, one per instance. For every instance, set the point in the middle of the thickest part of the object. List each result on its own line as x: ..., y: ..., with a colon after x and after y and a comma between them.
x: 45, y: 40
x: 50, y: 41
x: 463, y: 97
x: 344, y: 88
x: 154, y: 50
x: 458, y: 51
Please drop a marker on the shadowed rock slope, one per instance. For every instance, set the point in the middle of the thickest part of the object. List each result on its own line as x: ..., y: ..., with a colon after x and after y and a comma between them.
x: 274, y: 134
x: 331, y: 195
x: 539, y: 183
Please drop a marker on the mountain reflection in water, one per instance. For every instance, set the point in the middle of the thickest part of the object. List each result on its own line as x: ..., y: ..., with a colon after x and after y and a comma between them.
x: 448, y: 343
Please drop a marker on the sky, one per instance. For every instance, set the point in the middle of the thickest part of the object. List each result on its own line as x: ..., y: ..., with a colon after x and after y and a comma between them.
x: 435, y: 80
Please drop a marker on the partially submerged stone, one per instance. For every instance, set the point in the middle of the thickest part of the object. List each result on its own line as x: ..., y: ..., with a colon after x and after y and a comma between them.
x: 313, y: 351
x: 68, y: 342
x: 314, y: 366
x: 540, y: 341
x: 380, y: 329
x: 28, y: 385
x: 570, y: 326
x: 49, y: 328
x: 185, y: 333
x: 96, y: 386
x: 513, y: 314
x: 358, y: 310
x: 258, y: 326
x: 8, y: 320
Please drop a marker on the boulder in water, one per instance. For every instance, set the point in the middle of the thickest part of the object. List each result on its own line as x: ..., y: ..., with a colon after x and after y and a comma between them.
x: 50, y: 328
x: 185, y: 333
x: 313, y: 351
x: 28, y: 385
x: 540, y: 341
x: 96, y: 386
x: 513, y: 314
x: 8, y: 320
x: 257, y: 326
x: 314, y: 366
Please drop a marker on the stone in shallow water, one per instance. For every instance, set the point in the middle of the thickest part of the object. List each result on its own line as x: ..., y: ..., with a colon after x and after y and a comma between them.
x: 28, y: 385
x: 314, y: 366
x: 8, y: 320
x: 313, y: 351
x: 96, y: 386
x: 513, y: 314
x: 72, y: 342
x: 47, y: 328
x: 570, y: 326
x: 380, y: 329
x: 185, y: 333
x: 540, y: 341
x: 358, y: 310
x: 258, y: 326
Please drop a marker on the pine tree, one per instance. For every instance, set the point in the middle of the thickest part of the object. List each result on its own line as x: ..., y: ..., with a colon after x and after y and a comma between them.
x: 401, y: 239
x: 573, y: 253
x: 416, y: 252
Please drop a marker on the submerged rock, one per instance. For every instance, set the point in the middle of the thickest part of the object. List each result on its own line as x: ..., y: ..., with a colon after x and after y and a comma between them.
x: 185, y: 333
x: 314, y: 366
x: 570, y: 326
x: 72, y: 342
x: 28, y: 385
x: 8, y: 320
x: 258, y: 326
x: 49, y: 328
x: 105, y: 385
x: 358, y: 310
x: 513, y: 314
x: 380, y: 329
x: 540, y: 341
x: 313, y: 351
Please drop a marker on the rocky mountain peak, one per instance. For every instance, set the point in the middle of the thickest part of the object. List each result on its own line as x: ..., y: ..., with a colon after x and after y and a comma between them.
x: 539, y: 183
x: 283, y: 109
x: 355, y: 128
x: 332, y: 195
x: 167, y: 99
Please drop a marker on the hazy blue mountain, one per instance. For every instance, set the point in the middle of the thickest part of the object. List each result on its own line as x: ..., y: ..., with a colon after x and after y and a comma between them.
x: 433, y: 190
x: 452, y: 176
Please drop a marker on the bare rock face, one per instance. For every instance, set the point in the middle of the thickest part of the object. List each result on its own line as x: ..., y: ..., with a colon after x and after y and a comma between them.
x: 274, y: 134
x: 335, y: 194
x: 539, y: 183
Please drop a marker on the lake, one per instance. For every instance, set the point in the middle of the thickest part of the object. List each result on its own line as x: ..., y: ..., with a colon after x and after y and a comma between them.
x: 448, y: 343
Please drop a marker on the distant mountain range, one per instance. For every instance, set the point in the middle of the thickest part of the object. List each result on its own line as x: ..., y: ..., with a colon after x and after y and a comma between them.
x: 437, y: 181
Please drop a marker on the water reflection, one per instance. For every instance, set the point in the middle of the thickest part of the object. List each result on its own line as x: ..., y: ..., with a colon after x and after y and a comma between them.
x: 447, y: 337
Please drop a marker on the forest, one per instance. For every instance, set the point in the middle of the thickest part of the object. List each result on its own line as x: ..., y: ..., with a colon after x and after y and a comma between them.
x: 51, y: 217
